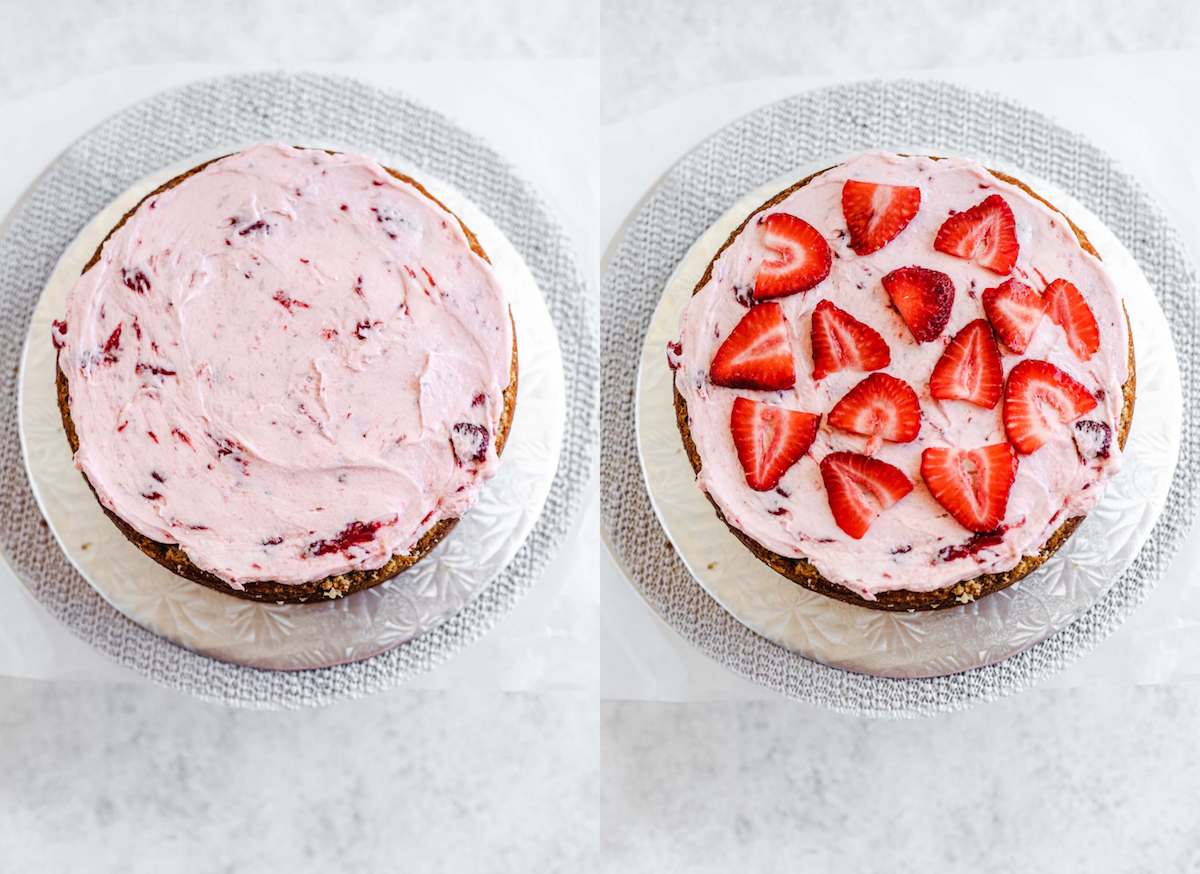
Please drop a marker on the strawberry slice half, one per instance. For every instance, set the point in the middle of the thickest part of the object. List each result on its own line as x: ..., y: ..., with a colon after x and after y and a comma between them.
x: 769, y: 440
x: 875, y: 214
x: 859, y: 488
x: 801, y: 257
x: 923, y: 298
x: 1039, y: 399
x: 1067, y: 309
x: 882, y: 407
x: 842, y: 342
x: 756, y: 354
x: 1015, y: 311
x: 972, y: 484
x: 970, y: 368
x: 986, y: 234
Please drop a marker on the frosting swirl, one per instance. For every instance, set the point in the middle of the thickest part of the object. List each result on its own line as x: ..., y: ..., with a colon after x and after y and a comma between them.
x: 291, y: 363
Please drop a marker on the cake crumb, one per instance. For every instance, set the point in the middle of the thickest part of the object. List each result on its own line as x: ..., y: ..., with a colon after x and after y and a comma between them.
x: 965, y: 598
x: 712, y: 565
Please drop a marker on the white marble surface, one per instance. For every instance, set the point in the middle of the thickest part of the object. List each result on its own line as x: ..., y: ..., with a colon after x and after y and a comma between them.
x: 129, y: 779
x: 660, y: 50
x: 1096, y: 780
x: 102, y: 775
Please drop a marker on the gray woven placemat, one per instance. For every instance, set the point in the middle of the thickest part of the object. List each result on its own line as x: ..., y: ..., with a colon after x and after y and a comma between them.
x: 294, y: 108
x: 765, y: 145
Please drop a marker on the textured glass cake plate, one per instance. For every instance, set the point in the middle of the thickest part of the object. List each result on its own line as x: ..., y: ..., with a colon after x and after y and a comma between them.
x: 915, y: 644
x: 299, y: 636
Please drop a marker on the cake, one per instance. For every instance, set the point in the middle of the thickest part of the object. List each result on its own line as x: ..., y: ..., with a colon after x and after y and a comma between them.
x: 903, y: 381
x: 287, y: 373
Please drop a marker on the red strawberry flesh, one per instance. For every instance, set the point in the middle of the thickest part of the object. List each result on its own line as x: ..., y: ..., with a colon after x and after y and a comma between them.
x: 923, y: 298
x: 1067, y: 308
x: 1039, y: 401
x: 859, y: 488
x: 1015, y: 311
x: 880, y: 406
x: 842, y: 342
x: 970, y: 369
x: 769, y: 440
x: 876, y: 214
x: 798, y: 257
x: 757, y: 353
x: 986, y: 234
x: 972, y: 484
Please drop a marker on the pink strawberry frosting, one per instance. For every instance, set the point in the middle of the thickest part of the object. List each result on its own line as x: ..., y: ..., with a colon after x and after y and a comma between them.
x: 915, y: 544
x: 291, y: 364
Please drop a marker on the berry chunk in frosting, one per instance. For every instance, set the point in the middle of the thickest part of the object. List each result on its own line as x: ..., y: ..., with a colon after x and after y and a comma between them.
x: 942, y: 451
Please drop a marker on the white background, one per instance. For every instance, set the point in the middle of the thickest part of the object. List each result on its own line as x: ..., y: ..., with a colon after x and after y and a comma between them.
x: 101, y: 773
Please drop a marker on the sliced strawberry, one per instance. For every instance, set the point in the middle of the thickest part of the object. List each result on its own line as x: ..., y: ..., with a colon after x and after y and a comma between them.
x: 859, y: 488
x: 802, y: 257
x: 1038, y: 400
x: 756, y: 354
x: 842, y: 342
x: 923, y: 298
x: 973, y: 484
x: 969, y: 369
x: 1015, y: 310
x: 880, y: 406
x: 769, y: 440
x: 986, y: 234
x: 876, y: 214
x: 1067, y: 308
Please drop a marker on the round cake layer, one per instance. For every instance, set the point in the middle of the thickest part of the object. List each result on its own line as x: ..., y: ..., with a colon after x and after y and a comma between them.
x: 288, y: 366
x: 915, y: 545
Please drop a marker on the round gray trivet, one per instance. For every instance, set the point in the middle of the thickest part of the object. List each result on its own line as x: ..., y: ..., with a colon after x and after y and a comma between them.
x: 301, y: 109
x: 765, y: 145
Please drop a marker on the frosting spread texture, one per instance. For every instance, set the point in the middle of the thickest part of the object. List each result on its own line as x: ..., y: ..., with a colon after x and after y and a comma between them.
x: 291, y: 364
x: 915, y: 544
